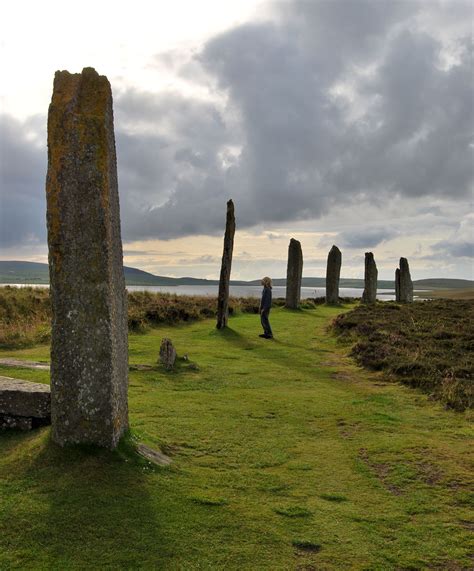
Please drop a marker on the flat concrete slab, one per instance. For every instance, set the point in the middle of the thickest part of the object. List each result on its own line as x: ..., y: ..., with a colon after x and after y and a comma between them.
x: 23, y: 404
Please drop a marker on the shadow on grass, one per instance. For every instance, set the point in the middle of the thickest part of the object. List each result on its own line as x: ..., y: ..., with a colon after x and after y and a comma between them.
x: 236, y: 338
x: 280, y: 356
x: 77, y: 507
x: 246, y: 343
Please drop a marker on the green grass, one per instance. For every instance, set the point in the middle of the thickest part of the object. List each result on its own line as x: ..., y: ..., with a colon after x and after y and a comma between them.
x: 285, y: 456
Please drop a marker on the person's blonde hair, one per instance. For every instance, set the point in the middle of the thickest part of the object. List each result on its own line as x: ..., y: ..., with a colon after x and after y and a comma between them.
x: 267, y: 282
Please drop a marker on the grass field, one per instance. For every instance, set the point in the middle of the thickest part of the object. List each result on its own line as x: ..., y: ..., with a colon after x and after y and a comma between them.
x: 285, y: 456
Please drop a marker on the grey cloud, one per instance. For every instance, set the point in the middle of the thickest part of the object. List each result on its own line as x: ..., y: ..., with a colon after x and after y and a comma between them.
x: 187, y: 155
x: 415, y: 139
x: 22, y: 182
x: 341, y: 34
x: 366, y: 238
x: 457, y: 250
x: 171, y: 177
x: 461, y: 242
x: 276, y: 138
x: 301, y: 153
x: 169, y: 114
x: 274, y: 236
x: 430, y: 211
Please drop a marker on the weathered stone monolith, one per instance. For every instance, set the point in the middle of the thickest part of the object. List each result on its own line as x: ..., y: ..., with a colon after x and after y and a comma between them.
x: 333, y: 272
x: 370, y: 279
x: 223, y: 295
x: 405, y: 283
x: 294, y: 274
x: 167, y: 353
x: 397, y: 284
x: 89, y: 356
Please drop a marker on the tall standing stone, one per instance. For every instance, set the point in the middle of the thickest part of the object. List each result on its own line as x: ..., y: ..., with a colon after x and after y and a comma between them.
x: 405, y: 283
x: 89, y: 356
x: 294, y: 274
x: 397, y: 284
x: 333, y: 272
x: 370, y: 279
x: 223, y: 295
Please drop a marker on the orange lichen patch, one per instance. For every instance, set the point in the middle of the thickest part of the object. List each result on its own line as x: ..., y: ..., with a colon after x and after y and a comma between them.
x: 117, y: 423
x: 86, y: 93
x: 80, y: 116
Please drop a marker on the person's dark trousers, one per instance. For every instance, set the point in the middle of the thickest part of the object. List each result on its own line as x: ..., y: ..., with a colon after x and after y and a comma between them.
x: 265, y: 323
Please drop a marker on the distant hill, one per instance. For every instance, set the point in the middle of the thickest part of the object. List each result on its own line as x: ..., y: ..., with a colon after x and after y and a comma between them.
x: 23, y: 272
x: 36, y: 273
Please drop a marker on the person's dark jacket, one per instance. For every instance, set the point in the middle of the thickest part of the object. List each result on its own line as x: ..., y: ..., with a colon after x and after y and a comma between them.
x: 266, y: 302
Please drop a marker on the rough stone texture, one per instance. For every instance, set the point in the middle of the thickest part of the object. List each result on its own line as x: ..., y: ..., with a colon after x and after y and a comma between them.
x: 17, y: 422
x: 154, y: 456
x: 369, y: 294
x: 405, y: 283
x: 223, y: 295
x: 89, y: 370
x: 167, y: 353
x: 139, y: 367
x: 294, y: 274
x: 333, y: 273
x: 397, y: 284
x: 23, y: 404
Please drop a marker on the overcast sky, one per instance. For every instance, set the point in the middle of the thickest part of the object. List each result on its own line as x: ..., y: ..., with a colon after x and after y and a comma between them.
x: 333, y: 122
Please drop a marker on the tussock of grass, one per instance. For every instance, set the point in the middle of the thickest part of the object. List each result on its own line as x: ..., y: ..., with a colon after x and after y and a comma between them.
x: 293, y: 511
x: 429, y: 345
x: 209, y: 501
x: 305, y: 545
x: 333, y: 497
x: 464, y: 499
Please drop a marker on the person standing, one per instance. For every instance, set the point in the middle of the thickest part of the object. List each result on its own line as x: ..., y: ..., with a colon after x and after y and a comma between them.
x: 265, y: 306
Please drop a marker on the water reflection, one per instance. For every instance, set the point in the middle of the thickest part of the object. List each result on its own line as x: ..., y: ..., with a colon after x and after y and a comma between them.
x: 242, y: 290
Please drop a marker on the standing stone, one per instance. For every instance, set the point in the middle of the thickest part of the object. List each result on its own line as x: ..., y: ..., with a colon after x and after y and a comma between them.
x: 89, y: 355
x: 333, y: 273
x: 223, y: 296
x: 294, y: 274
x: 405, y: 283
x: 397, y: 285
x: 167, y: 353
x: 370, y: 279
